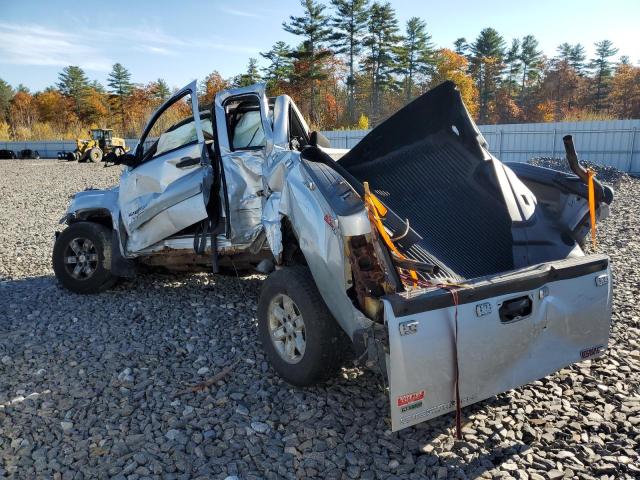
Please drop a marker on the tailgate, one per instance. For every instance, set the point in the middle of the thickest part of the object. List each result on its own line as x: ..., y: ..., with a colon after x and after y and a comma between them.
x: 512, y: 329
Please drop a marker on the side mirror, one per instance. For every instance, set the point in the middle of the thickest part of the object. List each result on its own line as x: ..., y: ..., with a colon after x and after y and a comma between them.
x: 319, y: 140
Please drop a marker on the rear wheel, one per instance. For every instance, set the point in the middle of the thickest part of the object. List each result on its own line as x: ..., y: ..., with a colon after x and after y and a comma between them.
x: 82, y: 258
x: 300, y: 337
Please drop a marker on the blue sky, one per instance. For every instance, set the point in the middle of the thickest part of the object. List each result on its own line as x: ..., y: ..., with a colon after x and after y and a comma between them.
x: 187, y: 39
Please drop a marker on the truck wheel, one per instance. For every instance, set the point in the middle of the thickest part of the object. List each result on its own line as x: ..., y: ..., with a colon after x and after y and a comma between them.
x: 300, y: 337
x: 82, y: 258
x: 95, y: 155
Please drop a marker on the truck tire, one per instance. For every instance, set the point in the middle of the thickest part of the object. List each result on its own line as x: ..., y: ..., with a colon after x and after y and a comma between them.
x: 300, y: 337
x: 95, y: 155
x: 82, y: 258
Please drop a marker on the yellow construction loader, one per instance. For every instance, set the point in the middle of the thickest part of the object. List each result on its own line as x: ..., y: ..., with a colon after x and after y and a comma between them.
x: 102, y: 146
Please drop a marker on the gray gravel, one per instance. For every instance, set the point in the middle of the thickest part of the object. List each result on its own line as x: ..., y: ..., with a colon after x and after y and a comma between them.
x: 89, y: 384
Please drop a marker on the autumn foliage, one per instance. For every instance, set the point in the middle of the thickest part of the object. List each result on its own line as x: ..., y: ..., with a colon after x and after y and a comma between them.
x: 354, y: 66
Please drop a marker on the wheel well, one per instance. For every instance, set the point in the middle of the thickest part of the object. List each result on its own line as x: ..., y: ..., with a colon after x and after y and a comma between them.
x: 291, y: 252
x: 101, y: 216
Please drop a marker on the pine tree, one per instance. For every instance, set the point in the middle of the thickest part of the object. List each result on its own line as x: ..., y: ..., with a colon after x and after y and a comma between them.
x: 416, y: 54
x: 280, y: 68
x: 161, y: 90
x: 251, y: 76
x: 564, y: 52
x: 573, y: 55
x: 602, y: 68
x: 530, y: 58
x: 73, y: 83
x: 312, y: 26
x: 382, y: 43
x: 350, y: 25
x: 577, y: 57
x: 6, y: 94
x: 487, y: 53
x: 98, y: 87
x: 461, y: 46
x: 512, y: 60
x: 119, y: 81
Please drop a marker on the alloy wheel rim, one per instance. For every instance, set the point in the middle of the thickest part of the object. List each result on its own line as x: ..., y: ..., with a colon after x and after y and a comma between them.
x: 81, y: 258
x: 286, y: 329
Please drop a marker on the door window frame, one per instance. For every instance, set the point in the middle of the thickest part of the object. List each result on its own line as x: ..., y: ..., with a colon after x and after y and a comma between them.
x: 226, y: 120
x: 179, y: 95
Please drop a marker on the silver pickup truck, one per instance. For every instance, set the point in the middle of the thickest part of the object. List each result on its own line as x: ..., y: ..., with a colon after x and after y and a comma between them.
x: 417, y: 251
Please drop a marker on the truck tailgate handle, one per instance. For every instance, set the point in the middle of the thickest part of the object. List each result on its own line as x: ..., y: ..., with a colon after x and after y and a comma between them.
x: 187, y: 162
x: 515, y: 309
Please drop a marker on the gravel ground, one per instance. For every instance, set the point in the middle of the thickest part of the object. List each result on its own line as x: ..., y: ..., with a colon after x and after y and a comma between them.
x: 90, y: 385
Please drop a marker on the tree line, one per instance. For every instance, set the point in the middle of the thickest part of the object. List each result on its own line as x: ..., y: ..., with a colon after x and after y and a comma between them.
x: 355, y: 65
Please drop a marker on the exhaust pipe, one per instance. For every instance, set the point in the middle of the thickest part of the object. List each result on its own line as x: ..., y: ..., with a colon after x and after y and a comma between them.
x: 603, y: 193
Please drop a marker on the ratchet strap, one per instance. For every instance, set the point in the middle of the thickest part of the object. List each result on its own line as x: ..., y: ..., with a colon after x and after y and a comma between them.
x: 456, y: 373
x: 377, y: 211
x: 592, y: 205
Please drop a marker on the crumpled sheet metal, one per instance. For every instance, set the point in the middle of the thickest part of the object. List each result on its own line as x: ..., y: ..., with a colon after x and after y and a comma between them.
x: 320, y: 242
x: 243, y: 177
x: 275, y: 170
x: 243, y: 170
x: 156, y: 199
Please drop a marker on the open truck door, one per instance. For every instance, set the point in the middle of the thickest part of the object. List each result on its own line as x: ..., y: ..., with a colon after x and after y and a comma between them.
x: 167, y: 187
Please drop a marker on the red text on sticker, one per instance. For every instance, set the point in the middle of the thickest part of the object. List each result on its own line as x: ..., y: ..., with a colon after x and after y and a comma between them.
x: 410, y: 398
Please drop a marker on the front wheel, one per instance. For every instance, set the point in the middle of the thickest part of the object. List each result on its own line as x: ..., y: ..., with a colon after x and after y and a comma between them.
x: 300, y: 337
x: 82, y: 258
x: 95, y: 155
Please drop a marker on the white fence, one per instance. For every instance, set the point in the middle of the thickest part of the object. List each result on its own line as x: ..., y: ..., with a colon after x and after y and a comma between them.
x: 50, y: 148
x: 613, y: 142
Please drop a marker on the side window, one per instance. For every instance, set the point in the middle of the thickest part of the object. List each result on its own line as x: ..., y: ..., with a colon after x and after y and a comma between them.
x: 173, y: 129
x: 244, y: 123
x: 298, y: 136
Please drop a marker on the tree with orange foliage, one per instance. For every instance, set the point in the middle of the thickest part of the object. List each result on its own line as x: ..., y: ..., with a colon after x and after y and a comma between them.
x: 624, y: 96
x: 452, y: 66
x: 22, y: 111
x: 212, y: 84
x: 95, y: 110
x: 140, y: 105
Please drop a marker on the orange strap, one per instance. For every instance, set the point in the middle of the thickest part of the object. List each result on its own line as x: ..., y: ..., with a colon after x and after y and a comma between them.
x: 592, y: 206
x: 377, y: 211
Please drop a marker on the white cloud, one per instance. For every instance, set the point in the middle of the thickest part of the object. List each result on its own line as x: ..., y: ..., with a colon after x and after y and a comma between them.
x: 156, y: 50
x: 38, y: 45
x: 238, y: 13
x: 95, y: 49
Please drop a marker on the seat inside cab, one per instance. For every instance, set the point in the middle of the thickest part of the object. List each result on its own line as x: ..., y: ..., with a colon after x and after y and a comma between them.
x: 244, y: 123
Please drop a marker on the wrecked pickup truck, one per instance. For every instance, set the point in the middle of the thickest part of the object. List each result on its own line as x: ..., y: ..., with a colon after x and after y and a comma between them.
x: 459, y: 276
